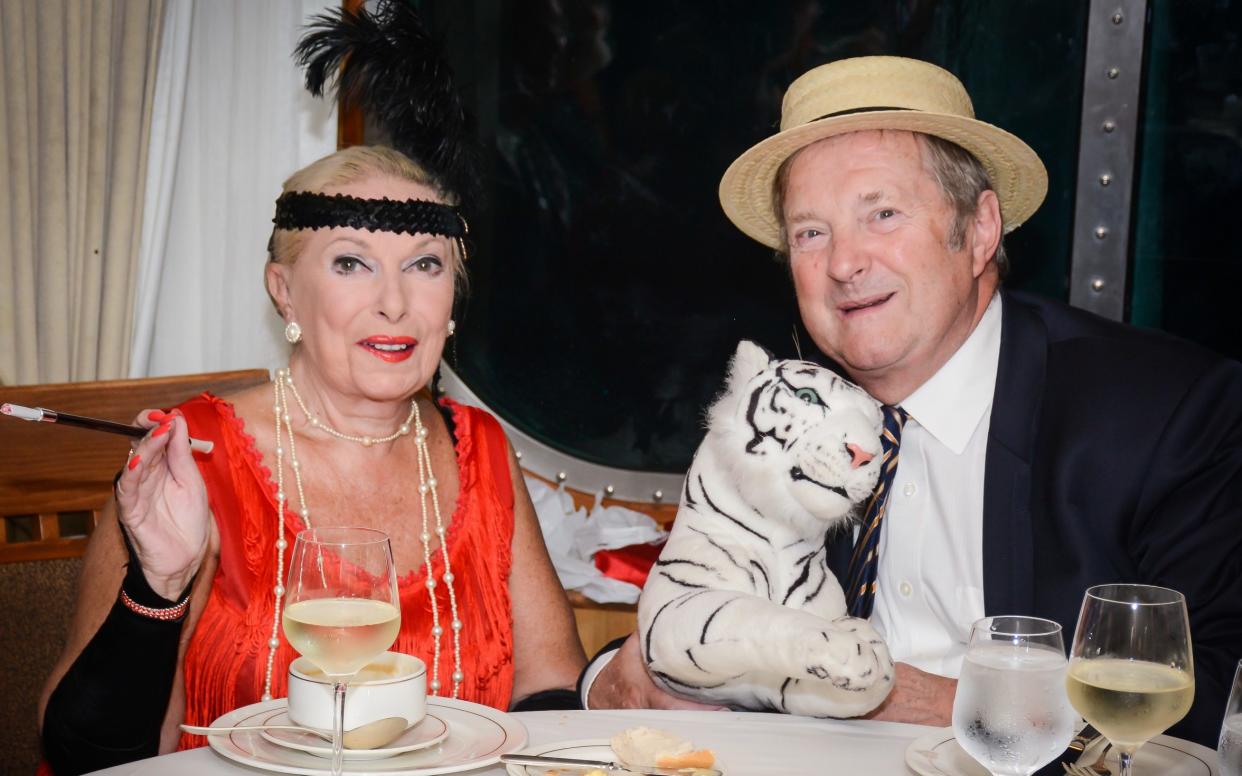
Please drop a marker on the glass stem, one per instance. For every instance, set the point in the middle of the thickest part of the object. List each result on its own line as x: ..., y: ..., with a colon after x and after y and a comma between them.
x: 338, y: 728
x: 1125, y: 758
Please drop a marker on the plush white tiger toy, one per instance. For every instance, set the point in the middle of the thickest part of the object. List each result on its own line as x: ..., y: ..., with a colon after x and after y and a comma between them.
x: 742, y: 609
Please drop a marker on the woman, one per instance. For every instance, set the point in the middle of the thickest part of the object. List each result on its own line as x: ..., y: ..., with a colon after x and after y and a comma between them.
x: 191, y: 630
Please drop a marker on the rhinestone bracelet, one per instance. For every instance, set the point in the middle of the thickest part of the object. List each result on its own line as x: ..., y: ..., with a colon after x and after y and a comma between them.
x: 167, y: 614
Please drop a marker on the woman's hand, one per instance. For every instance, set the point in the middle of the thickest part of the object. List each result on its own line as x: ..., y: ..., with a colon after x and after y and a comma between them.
x: 162, y: 503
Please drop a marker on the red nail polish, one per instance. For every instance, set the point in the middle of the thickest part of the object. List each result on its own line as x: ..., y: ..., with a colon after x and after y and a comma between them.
x: 156, y: 416
x: 134, y: 461
x: 162, y: 430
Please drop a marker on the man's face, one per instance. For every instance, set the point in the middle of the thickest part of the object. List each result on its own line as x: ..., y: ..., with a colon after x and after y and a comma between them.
x: 878, y: 286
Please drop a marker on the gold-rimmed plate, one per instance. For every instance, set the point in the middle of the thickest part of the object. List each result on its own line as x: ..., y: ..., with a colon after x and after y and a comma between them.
x: 477, y: 737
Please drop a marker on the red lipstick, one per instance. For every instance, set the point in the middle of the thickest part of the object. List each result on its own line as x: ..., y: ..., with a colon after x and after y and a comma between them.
x: 390, y: 349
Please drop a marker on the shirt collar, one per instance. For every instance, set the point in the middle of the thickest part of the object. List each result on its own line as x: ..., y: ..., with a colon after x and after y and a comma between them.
x: 951, y: 403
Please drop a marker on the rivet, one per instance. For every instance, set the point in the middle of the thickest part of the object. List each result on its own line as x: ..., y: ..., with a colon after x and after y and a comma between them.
x: 1109, y: 125
x: 1118, y: 18
x: 609, y: 490
x: 1097, y: 284
x: 1101, y: 232
x: 518, y: 455
x: 1105, y: 179
x: 561, y: 476
x: 1113, y: 72
x: 657, y: 496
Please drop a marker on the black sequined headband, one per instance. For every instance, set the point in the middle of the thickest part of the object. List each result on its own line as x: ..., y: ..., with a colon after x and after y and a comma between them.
x: 308, y: 210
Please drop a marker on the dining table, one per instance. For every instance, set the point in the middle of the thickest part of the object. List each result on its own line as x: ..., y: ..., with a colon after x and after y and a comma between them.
x: 745, y: 743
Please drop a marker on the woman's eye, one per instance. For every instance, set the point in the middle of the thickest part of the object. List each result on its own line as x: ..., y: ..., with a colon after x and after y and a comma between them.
x: 347, y: 265
x: 808, y: 395
x: 431, y: 264
x: 886, y: 213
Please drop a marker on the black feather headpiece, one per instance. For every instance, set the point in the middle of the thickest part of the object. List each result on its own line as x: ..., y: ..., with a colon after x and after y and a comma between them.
x: 390, y: 66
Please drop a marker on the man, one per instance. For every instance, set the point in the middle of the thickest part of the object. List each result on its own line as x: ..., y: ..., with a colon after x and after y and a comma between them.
x: 1045, y: 450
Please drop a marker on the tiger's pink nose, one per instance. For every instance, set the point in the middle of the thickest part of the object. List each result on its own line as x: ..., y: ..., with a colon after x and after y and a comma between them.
x: 858, y: 456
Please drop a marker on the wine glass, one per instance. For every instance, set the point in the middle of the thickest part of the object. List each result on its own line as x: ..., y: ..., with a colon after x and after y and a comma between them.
x: 1230, y: 746
x: 341, y: 607
x: 1131, y: 672
x: 1010, y: 712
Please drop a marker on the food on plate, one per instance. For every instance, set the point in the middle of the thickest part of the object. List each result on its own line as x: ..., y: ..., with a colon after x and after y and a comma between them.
x: 648, y: 747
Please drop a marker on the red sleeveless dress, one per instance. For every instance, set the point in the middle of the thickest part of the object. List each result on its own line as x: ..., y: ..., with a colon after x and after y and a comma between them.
x: 226, y: 658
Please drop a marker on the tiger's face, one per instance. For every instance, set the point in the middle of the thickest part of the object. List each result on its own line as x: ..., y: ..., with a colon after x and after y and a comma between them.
x: 801, y: 441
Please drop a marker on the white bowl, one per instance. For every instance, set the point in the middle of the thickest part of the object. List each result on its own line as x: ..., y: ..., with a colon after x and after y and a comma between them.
x: 392, y: 685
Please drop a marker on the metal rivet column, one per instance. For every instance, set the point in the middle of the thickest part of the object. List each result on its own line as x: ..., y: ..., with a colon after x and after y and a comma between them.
x: 1110, y: 99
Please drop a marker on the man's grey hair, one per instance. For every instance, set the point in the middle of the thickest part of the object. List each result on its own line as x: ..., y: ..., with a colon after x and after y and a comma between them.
x: 959, y: 174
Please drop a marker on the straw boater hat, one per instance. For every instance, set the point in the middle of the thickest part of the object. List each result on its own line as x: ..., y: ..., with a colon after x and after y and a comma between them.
x: 879, y: 93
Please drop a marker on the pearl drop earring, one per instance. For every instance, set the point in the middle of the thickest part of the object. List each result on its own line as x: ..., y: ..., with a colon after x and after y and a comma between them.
x: 293, y: 333
x: 452, y: 327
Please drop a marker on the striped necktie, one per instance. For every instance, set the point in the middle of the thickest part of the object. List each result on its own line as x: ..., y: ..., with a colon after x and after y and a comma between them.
x: 865, y: 562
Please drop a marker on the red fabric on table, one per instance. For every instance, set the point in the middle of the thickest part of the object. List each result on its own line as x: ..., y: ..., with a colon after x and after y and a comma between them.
x: 629, y: 564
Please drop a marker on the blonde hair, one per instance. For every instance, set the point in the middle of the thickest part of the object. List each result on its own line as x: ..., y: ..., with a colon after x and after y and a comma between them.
x: 352, y: 165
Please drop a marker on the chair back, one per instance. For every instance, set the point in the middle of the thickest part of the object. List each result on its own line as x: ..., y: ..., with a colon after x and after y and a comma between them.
x: 54, y: 481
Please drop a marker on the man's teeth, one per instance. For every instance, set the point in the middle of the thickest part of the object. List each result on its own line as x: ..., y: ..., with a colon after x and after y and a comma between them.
x: 392, y: 348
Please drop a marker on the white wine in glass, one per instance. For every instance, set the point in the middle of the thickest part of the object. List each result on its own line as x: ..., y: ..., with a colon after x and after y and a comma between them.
x: 1131, y: 671
x: 341, y: 607
x: 1010, y: 712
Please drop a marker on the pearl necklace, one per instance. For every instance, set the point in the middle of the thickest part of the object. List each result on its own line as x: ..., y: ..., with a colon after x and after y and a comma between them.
x: 365, y: 441
x: 426, y: 488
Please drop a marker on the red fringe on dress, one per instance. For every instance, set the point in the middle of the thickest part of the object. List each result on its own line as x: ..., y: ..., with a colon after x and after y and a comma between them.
x: 226, y: 658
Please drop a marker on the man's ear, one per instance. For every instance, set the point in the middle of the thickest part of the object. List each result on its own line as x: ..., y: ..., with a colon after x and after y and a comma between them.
x: 986, y: 231
x: 277, y: 278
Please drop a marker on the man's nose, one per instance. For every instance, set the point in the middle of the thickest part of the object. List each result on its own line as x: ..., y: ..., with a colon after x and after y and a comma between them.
x: 847, y: 259
x: 858, y: 456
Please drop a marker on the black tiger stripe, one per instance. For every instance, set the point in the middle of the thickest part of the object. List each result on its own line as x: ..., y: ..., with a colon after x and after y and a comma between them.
x: 670, y: 680
x: 767, y: 583
x: 784, y: 686
x: 710, y: 617
x: 823, y: 577
x: 690, y: 655
x: 727, y: 516
x: 726, y: 552
x: 751, y: 407
x: 681, y: 582
x: 806, y: 573
x: 684, y: 562
x: 647, y: 639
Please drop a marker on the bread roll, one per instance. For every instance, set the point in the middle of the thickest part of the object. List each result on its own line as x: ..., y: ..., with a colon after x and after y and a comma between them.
x: 648, y: 747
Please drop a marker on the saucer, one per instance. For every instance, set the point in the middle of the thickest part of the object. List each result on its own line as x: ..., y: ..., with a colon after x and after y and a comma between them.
x: 938, y: 754
x: 477, y: 737
x: 429, y: 731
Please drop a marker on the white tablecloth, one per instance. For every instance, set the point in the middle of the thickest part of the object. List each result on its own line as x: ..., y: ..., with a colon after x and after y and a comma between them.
x: 746, y: 744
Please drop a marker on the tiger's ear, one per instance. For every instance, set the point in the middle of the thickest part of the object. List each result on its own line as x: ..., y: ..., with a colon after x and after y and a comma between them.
x: 749, y: 360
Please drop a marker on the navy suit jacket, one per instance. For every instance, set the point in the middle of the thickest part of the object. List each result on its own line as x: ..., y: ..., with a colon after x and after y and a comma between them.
x: 1114, y: 455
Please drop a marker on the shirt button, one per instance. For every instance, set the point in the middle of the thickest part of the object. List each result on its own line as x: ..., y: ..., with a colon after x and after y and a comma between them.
x: 910, y: 489
x: 906, y: 589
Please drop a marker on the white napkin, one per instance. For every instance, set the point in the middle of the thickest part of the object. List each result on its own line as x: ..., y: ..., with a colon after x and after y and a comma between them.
x: 573, y: 536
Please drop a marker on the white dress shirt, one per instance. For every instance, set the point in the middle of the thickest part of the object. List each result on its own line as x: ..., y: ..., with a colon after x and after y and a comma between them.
x: 930, y: 580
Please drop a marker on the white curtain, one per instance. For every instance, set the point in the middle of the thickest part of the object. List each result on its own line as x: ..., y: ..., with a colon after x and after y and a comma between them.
x: 76, y: 85
x: 234, y: 120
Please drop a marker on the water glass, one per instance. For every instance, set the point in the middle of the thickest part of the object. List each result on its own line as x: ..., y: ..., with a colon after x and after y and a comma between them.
x: 1230, y: 747
x: 1011, y: 712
